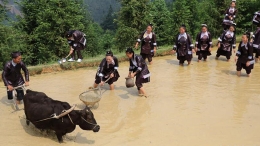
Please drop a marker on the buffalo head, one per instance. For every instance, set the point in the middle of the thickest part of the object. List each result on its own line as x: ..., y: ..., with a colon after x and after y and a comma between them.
x: 87, y: 120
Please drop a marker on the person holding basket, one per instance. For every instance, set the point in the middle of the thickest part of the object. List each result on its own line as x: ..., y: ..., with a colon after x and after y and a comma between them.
x: 12, y: 76
x: 139, y: 69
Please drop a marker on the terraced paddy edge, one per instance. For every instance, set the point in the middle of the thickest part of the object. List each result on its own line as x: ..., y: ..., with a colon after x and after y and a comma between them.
x: 89, y: 62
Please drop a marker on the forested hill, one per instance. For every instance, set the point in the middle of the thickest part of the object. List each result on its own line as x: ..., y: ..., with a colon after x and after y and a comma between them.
x: 97, y: 8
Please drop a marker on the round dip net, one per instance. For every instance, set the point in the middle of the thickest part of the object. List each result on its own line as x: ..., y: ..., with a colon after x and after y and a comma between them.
x: 91, y: 97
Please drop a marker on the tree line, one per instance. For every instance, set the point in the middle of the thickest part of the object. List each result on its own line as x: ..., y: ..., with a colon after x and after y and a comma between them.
x: 39, y: 34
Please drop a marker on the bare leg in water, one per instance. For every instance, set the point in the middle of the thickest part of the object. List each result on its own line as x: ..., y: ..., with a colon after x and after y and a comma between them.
x: 18, y: 102
x: 95, y: 85
x: 112, y: 87
x: 142, y: 92
x: 238, y: 73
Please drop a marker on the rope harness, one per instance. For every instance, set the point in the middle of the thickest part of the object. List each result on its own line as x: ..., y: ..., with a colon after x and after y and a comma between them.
x: 54, y: 116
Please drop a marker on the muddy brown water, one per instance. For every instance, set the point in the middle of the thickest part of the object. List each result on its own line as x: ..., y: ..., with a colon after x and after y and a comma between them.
x: 201, y: 104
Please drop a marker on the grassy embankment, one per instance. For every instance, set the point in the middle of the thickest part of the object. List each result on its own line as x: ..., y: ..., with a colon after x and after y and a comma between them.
x: 90, y: 62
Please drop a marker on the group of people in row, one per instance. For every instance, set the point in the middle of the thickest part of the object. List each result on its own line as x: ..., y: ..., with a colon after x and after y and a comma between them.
x: 184, y: 47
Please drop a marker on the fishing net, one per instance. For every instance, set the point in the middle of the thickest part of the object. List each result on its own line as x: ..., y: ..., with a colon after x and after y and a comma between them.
x: 90, y: 97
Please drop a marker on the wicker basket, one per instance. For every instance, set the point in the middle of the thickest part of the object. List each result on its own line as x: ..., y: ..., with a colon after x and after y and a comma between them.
x: 90, y: 97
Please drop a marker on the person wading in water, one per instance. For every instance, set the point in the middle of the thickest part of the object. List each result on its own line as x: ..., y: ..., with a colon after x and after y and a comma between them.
x: 138, y: 69
x: 203, y: 43
x: 12, y: 76
x: 148, y: 43
x: 107, y: 70
x: 244, y: 56
x: 183, y: 46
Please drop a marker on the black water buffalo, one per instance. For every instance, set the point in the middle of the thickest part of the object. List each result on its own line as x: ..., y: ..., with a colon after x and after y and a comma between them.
x: 41, y: 110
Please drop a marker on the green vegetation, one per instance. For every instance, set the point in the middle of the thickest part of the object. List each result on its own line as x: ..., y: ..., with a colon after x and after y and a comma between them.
x: 39, y: 34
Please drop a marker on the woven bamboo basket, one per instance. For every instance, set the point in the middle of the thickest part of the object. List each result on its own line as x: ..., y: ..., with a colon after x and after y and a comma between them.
x: 90, y: 97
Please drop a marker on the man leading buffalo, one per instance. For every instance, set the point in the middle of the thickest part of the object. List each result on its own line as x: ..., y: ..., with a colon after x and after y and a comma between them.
x: 12, y: 76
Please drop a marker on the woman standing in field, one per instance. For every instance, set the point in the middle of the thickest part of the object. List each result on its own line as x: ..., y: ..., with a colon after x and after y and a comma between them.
x: 203, y: 43
x: 138, y: 69
x: 230, y: 15
x: 183, y: 46
x: 148, y: 43
x: 256, y: 36
x: 244, y: 55
x: 227, y: 41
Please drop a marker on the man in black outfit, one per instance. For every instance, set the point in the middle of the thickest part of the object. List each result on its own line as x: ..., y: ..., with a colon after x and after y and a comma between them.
x: 12, y: 76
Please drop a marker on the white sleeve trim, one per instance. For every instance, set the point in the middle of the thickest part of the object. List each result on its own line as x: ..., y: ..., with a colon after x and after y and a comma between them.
x: 147, y: 75
x: 101, y: 75
x: 138, y: 40
x: 219, y: 39
x: 250, y: 57
x: 131, y: 67
x: 154, y: 44
x: 255, y: 45
x: 139, y: 68
x: 238, y: 52
x: 252, y: 62
x: 116, y: 68
x: 257, y: 13
x: 197, y: 43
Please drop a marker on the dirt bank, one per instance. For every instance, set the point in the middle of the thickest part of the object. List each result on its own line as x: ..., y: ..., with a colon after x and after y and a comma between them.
x: 90, y: 62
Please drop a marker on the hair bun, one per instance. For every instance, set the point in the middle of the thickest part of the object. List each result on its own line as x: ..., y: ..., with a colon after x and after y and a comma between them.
x: 15, y: 54
x: 109, y: 53
x: 129, y: 50
x: 69, y: 34
x: 248, y: 34
x: 183, y: 25
x: 204, y: 25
